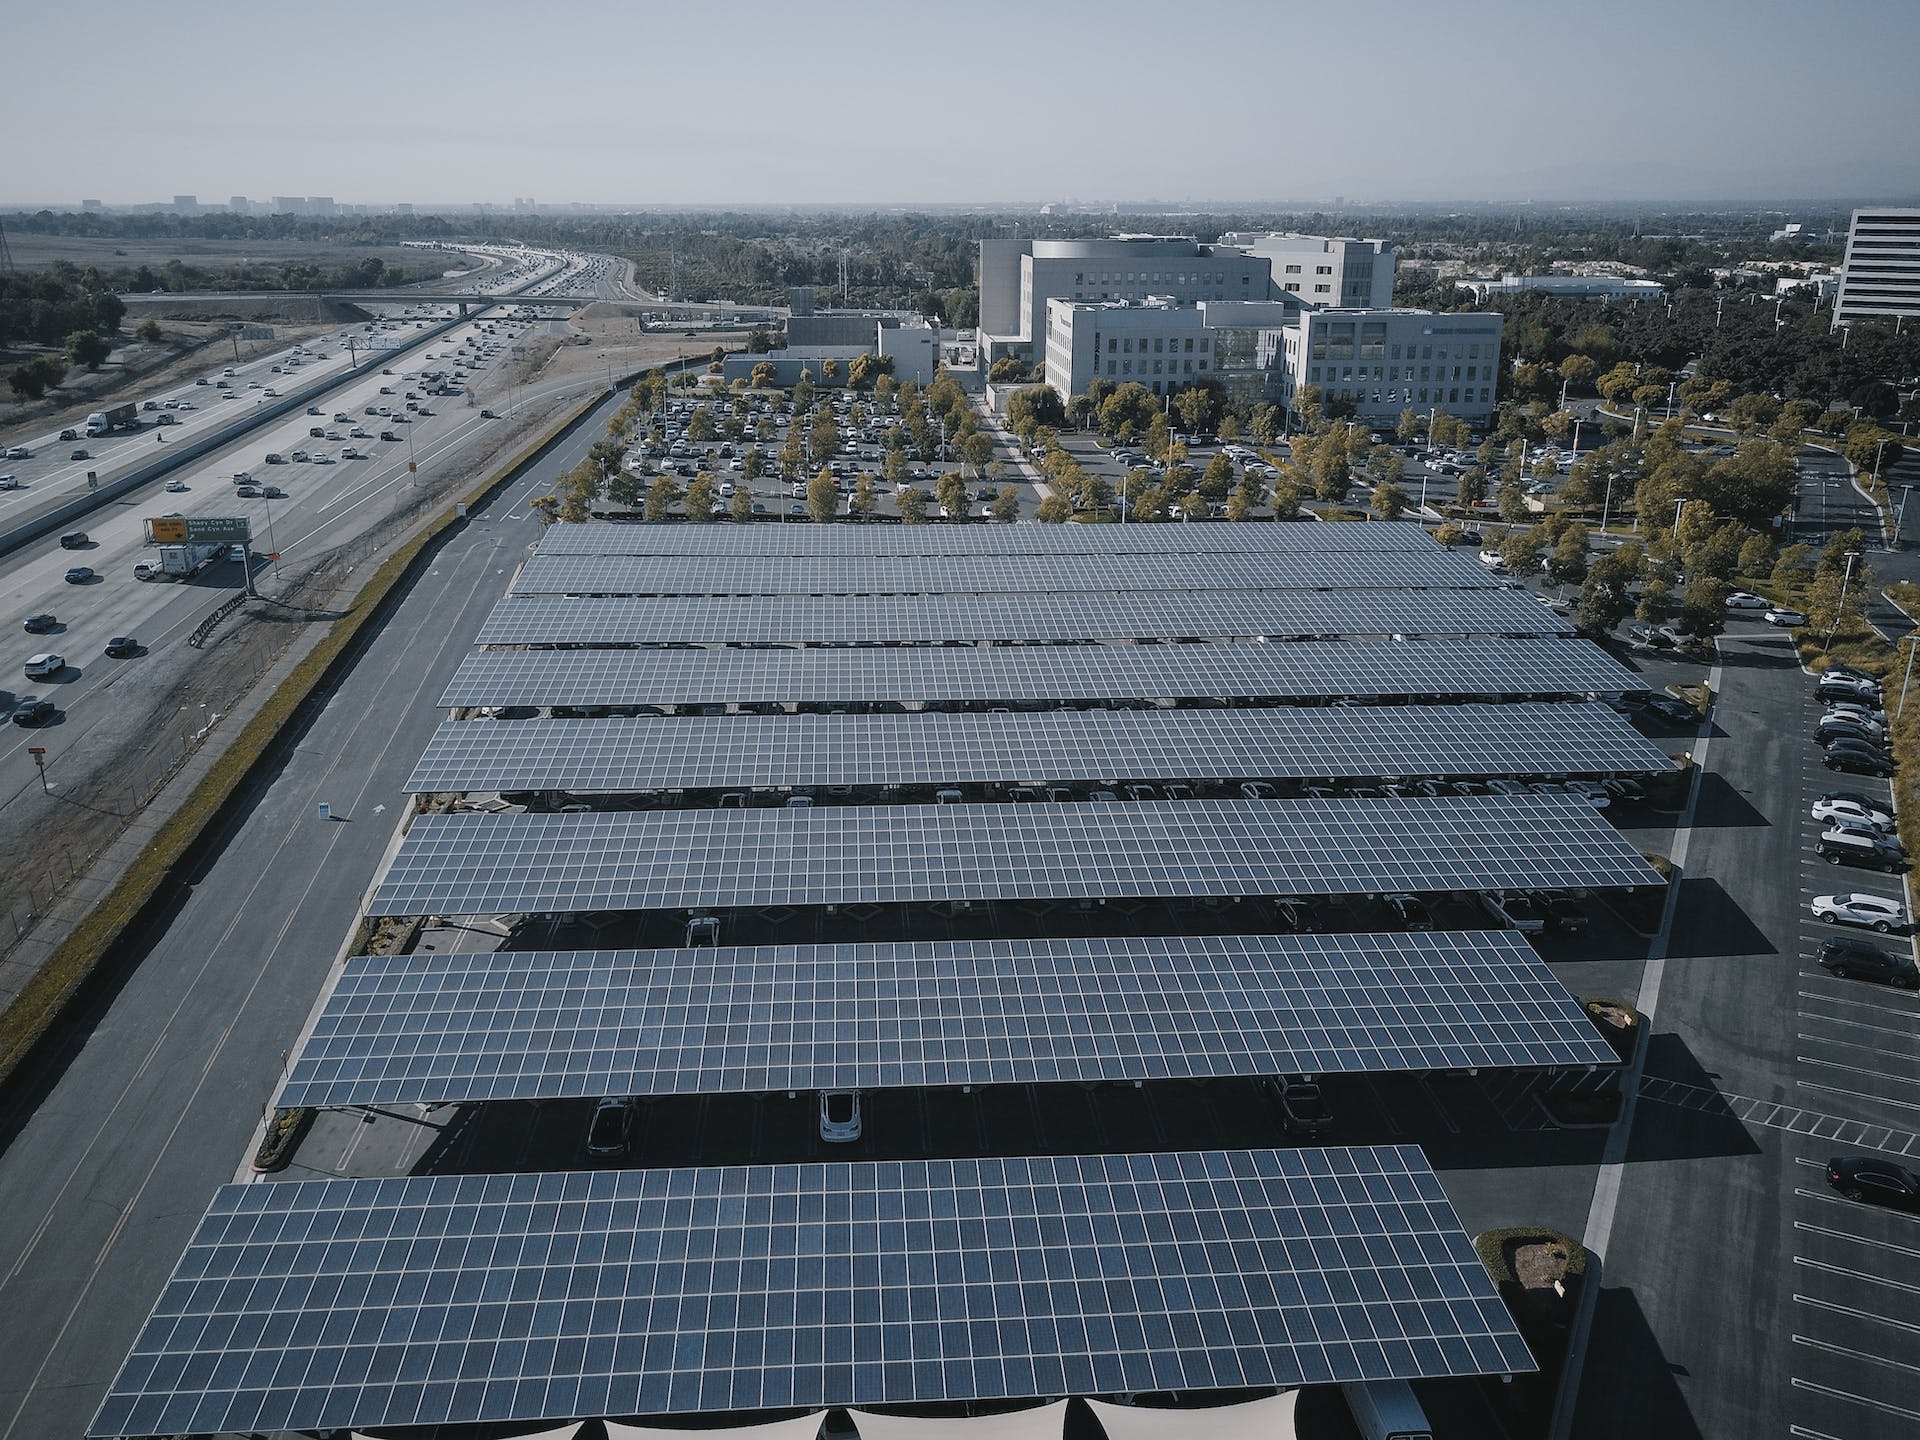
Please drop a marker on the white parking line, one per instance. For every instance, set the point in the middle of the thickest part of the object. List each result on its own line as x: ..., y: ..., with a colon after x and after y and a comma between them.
x: 1866, y: 1275
x: 1867, y: 1095
x: 1884, y: 1407
x: 1856, y: 1069
x: 1893, y: 995
x: 1834, y: 1308
x: 1909, y: 1251
x: 1826, y: 1197
x: 1856, y: 1045
x: 1830, y: 1348
x: 1900, y: 1032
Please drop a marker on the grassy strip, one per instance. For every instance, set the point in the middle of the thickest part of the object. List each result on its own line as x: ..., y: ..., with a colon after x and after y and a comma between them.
x: 1491, y: 1247
x: 39, y: 1004
x: 282, y: 1139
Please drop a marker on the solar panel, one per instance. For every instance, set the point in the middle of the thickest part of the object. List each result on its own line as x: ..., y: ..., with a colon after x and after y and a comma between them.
x: 329, y: 1304
x: 442, y: 1029
x: 625, y: 756
x: 1187, y: 539
x: 1060, y: 673
x: 969, y: 619
x: 470, y: 864
x: 981, y: 574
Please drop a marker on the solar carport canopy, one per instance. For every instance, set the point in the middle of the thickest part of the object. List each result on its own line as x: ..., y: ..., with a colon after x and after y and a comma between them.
x: 336, y: 1304
x: 1190, y: 539
x: 1026, y: 619
x: 440, y: 1029
x: 626, y: 756
x: 469, y: 864
x: 984, y: 574
x: 1060, y: 673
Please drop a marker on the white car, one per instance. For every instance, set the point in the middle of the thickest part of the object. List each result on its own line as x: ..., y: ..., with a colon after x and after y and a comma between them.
x: 321, y: 457
x: 1493, y: 559
x: 839, y: 1116
x: 1781, y: 616
x: 1851, y: 812
x: 350, y: 453
x: 1744, y: 600
x: 175, y: 487
x: 1874, y: 911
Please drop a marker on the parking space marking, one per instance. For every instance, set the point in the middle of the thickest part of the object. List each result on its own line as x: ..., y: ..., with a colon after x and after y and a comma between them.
x: 1828, y: 1347
x: 1867, y: 1025
x: 1865, y: 1275
x: 1895, y: 997
x: 1835, y: 1308
x: 1772, y: 1115
x: 1801, y: 1432
x: 1828, y: 1197
x: 1867, y: 1095
x: 1811, y: 1229
x: 1883, y: 1406
x: 1856, y: 1045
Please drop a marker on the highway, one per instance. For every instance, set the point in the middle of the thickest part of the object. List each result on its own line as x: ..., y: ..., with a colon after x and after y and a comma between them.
x: 109, y: 711
x: 150, y: 1106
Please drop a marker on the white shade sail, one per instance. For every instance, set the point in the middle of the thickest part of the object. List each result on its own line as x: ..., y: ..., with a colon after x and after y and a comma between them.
x: 1268, y: 1419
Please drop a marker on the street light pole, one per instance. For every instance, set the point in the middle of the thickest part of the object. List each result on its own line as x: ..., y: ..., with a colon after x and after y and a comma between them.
x: 1840, y: 605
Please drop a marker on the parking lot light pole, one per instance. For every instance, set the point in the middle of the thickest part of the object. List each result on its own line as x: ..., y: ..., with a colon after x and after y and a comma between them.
x: 1840, y: 605
x: 1911, y: 637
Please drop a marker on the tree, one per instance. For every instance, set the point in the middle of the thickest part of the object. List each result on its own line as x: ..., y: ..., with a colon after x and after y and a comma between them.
x: 1006, y: 371
x: 1604, y: 601
x: 1028, y: 409
x: 763, y: 374
x: 1473, y: 486
x: 546, y: 507
x: 976, y: 449
x: 1410, y: 428
x: 33, y: 379
x: 1218, y: 478
x: 740, y: 507
x: 700, y: 498
x: 1004, y: 508
x: 1389, y: 501
x: 87, y: 349
x: 149, y: 331
x: 1656, y: 603
x: 1195, y: 408
x: 823, y: 438
x: 823, y: 497
x: 1579, y: 371
x: 1383, y: 464
x: 952, y: 493
x: 1053, y: 511
x: 1567, y: 562
x: 1833, y: 555
x: 1521, y: 551
x: 700, y: 424
x: 1513, y: 502
x: 1703, y: 604
x: 912, y: 505
x: 1756, y: 555
x: 1867, y: 447
x: 1287, y: 492
x: 665, y: 494
x: 864, y: 371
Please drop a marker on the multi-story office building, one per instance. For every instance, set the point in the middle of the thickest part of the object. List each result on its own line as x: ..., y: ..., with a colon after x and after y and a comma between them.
x: 1321, y: 271
x: 1166, y: 345
x: 1881, y: 275
x: 1019, y: 277
x: 1386, y: 361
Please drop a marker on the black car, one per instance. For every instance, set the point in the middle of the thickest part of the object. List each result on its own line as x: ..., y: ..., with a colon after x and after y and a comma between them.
x: 1856, y: 757
x: 1303, y: 1110
x: 123, y: 645
x: 39, y: 624
x: 1847, y: 958
x: 32, y: 711
x: 1673, y: 711
x: 1867, y: 1177
x: 1409, y: 912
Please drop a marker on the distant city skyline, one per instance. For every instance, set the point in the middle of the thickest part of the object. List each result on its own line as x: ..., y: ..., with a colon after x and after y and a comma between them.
x: 1716, y: 101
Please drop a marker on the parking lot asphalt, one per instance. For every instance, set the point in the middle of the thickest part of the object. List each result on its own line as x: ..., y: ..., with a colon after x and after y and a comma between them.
x: 1741, y: 1295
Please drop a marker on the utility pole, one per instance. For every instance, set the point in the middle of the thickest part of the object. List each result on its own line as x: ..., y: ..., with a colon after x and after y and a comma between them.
x: 1840, y: 605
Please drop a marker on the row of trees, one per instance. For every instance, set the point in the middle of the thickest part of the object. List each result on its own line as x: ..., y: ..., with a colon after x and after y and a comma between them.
x: 47, y: 308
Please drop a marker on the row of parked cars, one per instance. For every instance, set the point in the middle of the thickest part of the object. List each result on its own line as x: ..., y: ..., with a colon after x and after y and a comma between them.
x: 1856, y: 829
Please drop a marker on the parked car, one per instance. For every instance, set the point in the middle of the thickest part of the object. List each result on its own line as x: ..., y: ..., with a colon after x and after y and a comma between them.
x: 1673, y: 710
x: 1848, y: 958
x: 1877, y: 1181
x: 1876, y: 912
x: 1860, y: 845
x: 1779, y: 615
x: 839, y: 1116
x: 1409, y: 912
x: 1845, y: 810
x: 1856, y: 757
x: 1848, y: 727
x: 1745, y: 600
x: 1303, y: 1110
x: 610, y: 1130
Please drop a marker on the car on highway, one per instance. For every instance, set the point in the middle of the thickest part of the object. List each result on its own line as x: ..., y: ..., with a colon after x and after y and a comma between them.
x: 388, y: 435
x: 121, y: 646
x: 242, y: 477
x: 349, y: 452
x: 1746, y: 600
x: 1848, y: 958
x: 488, y: 415
x: 1875, y: 912
x: 32, y: 710
x: 80, y: 454
x: 79, y: 574
x: 1874, y: 1180
x: 237, y: 552
x: 272, y: 492
x: 175, y: 487
x: 610, y: 1130
x: 69, y: 435
x: 18, y: 452
x: 321, y: 457
x: 39, y: 623
x: 44, y: 666
x: 248, y: 492
x: 1850, y: 809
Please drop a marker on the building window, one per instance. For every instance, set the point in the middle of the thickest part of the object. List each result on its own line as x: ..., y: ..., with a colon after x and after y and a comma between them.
x: 1473, y: 372
x: 1129, y: 345
x: 1321, y: 289
x: 1293, y: 269
x: 1394, y: 353
x: 1110, y: 367
x: 1323, y: 269
x: 1473, y: 352
x: 1126, y: 367
x: 1203, y: 365
x: 1203, y: 344
x: 1313, y: 376
x: 1189, y: 367
x: 1454, y: 395
x: 1113, y: 346
x: 1159, y: 346
x: 1190, y: 344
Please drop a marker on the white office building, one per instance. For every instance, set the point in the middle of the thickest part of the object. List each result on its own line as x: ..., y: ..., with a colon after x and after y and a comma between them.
x: 1387, y: 361
x: 1881, y: 274
x: 1574, y: 287
x: 1019, y: 277
x: 1321, y: 271
x: 1166, y: 345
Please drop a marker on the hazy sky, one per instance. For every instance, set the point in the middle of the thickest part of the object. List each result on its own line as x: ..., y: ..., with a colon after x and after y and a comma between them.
x: 858, y: 101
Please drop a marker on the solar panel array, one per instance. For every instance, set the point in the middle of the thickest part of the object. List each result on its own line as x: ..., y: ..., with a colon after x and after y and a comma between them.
x: 330, y: 1304
x: 969, y: 619
x: 625, y: 756
x: 817, y: 540
x: 441, y: 1029
x: 1086, y: 673
x: 469, y: 864
x: 982, y: 574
